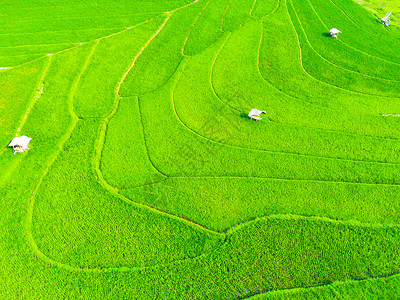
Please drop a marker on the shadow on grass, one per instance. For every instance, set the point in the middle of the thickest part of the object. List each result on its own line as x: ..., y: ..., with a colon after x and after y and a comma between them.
x: 244, y: 115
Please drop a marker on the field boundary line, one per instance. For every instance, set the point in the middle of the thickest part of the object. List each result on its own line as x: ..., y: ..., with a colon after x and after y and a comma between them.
x: 251, y: 10
x: 348, y: 17
x: 39, y: 89
x: 295, y: 217
x: 223, y: 16
x: 335, y: 283
x: 223, y: 234
x: 29, y: 219
x: 100, y: 270
x: 11, y: 170
x: 54, y: 31
x: 137, y: 56
x: 43, y: 56
x: 35, y: 45
x: 284, y: 179
x: 190, y: 30
x: 145, y: 141
x: 22, y: 55
x: 158, y: 211
x: 84, y: 18
x: 59, y: 6
x: 179, y: 8
x: 212, y: 71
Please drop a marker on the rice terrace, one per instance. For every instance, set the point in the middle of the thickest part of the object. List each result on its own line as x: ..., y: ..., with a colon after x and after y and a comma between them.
x: 131, y: 168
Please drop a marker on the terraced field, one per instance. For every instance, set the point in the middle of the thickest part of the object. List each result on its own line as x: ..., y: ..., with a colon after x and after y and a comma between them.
x: 146, y: 179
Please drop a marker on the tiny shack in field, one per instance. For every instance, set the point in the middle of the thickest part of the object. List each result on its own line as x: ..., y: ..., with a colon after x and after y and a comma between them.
x: 255, y: 113
x: 334, y: 32
x: 20, y: 144
x: 386, y: 19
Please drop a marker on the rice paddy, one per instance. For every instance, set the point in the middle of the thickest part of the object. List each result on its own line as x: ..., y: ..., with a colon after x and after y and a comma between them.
x: 146, y: 179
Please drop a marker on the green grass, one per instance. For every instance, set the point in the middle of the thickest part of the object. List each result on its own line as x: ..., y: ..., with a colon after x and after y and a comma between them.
x: 146, y: 179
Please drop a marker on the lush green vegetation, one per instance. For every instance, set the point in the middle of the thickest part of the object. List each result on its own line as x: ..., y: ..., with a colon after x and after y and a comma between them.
x: 146, y: 179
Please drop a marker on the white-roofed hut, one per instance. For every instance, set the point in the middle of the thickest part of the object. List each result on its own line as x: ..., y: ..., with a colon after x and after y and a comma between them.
x: 386, y: 19
x: 255, y: 113
x: 20, y: 144
x: 334, y: 32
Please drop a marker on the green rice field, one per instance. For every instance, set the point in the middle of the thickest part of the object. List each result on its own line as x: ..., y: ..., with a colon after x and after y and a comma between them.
x: 145, y: 177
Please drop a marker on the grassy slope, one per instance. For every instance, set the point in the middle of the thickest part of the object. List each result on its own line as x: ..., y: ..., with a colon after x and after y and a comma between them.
x: 140, y: 188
